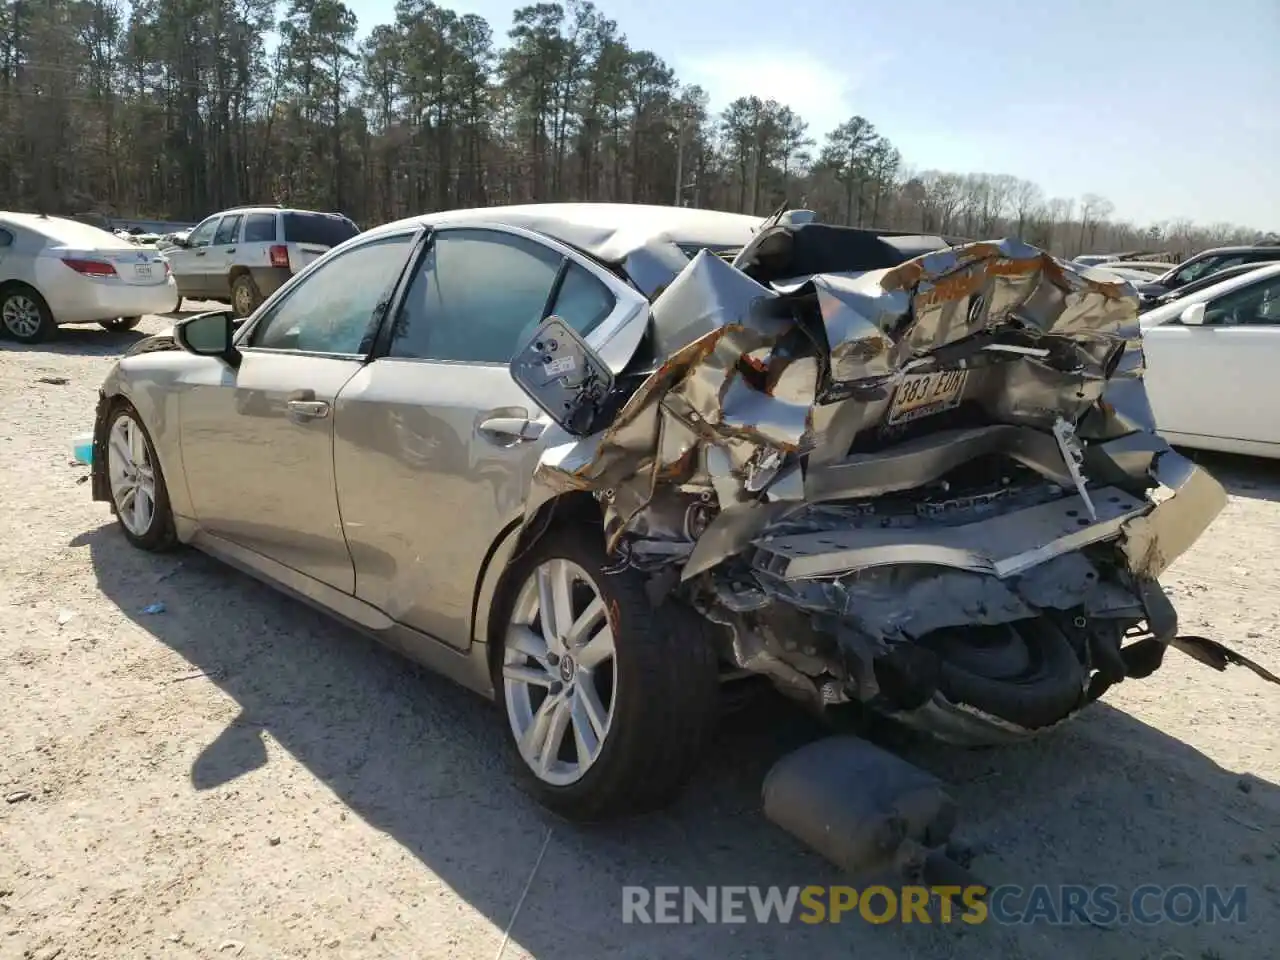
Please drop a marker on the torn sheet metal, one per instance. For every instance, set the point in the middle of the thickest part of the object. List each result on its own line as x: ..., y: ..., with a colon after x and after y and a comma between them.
x: 747, y: 381
x: 861, y: 460
x: 1187, y: 501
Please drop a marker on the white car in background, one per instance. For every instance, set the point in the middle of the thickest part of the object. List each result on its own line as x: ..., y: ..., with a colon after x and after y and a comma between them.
x: 1213, y: 365
x: 55, y: 271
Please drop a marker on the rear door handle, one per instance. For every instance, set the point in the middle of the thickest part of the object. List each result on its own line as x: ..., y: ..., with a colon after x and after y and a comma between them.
x: 508, y: 429
x: 200, y: 253
x: 308, y: 409
x: 231, y: 250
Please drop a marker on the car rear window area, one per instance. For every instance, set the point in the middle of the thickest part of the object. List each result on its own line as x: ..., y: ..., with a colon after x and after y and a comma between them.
x: 324, y: 229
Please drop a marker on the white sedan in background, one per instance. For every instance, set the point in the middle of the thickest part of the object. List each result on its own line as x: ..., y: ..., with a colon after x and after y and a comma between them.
x: 1213, y: 365
x: 55, y: 271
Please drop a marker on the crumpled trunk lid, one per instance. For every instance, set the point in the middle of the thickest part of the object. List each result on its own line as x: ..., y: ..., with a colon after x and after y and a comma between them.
x: 759, y: 394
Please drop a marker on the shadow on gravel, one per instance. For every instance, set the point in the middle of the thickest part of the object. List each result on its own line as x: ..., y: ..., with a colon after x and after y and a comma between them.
x: 85, y: 341
x: 1107, y: 800
x: 1253, y: 477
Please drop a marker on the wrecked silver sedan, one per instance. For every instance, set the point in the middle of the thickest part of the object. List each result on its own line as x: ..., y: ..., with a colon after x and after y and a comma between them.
x: 871, y: 468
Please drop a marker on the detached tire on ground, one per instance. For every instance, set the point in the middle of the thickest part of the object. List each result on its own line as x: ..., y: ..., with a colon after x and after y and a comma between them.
x: 120, y: 324
x: 24, y: 315
x: 609, y: 700
x: 245, y: 296
x: 138, y: 490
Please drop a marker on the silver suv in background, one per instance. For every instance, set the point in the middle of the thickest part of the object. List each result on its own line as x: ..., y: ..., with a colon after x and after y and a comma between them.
x: 243, y: 255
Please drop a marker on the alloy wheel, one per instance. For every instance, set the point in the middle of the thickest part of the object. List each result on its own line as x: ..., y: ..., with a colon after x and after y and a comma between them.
x: 559, y: 672
x: 132, y: 475
x: 21, y: 315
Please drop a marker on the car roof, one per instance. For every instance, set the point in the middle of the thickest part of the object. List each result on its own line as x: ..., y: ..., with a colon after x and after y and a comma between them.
x: 607, y: 231
x: 62, y: 229
x: 1174, y: 308
x: 1241, y: 248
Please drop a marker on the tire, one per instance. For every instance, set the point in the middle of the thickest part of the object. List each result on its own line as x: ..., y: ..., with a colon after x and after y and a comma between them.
x: 120, y: 324
x: 25, y: 316
x: 1037, y: 693
x: 126, y: 433
x: 659, y: 691
x: 245, y: 297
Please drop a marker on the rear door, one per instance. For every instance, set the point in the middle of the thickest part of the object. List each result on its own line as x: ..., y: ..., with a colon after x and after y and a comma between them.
x: 1220, y: 380
x: 257, y: 441
x: 308, y: 235
x: 425, y: 482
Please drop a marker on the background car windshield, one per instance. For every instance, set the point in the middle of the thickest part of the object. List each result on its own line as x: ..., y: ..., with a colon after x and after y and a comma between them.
x: 323, y: 229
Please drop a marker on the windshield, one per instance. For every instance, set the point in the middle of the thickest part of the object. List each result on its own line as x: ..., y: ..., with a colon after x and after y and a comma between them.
x: 324, y: 229
x: 1202, y: 268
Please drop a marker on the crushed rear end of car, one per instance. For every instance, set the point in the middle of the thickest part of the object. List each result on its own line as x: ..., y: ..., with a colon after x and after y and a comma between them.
x: 933, y: 488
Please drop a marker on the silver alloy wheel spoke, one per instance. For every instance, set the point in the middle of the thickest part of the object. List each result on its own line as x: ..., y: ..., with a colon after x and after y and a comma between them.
x: 21, y: 315
x: 131, y: 475
x: 559, y: 672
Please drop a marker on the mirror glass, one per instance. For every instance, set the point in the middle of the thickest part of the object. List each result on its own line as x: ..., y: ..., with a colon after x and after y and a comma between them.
x: 563, y: 376
x: 208, y: 334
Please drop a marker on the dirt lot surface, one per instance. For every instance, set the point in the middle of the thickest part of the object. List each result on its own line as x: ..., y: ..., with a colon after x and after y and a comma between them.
x: 238, y: 777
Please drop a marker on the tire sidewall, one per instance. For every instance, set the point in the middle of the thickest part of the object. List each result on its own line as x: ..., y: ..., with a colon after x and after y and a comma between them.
x: 47, y: 326
x: 625, y: 600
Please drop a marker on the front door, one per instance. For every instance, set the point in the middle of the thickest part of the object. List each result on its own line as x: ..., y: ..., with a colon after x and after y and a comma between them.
x: 188, y: 263
x: 430, y: 462
x: 257, y: 441
x: 217, y: 264
x: 1219, y: 379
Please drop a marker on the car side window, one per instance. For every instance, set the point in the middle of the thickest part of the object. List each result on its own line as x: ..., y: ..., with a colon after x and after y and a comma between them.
x: 1257, y: 304
x: 260, y: 228
x: 332, y: 308
x: 478, y: 293
x: 201, y: 235
x: 227, y: 230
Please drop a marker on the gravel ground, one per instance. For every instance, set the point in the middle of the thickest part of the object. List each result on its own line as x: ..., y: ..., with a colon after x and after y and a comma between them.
x: 239, y: 777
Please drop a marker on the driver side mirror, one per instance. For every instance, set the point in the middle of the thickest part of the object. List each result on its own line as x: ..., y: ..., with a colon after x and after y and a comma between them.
x: 564, y: 376
x: 1193, y: 316
x: 209, y: 335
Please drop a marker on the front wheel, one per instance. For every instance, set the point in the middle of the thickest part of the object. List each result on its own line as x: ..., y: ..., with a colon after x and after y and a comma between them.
x: 120, y: 324
x: 609, y: 700
x: 138, y: 490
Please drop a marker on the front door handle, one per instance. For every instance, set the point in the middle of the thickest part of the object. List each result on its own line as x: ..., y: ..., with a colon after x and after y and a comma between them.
x: 308, y: 409
x: 200, y: 253
x: 230, y: 250
x: 511, y: 429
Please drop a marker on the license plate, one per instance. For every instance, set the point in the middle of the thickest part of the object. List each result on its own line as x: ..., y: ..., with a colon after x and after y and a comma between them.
x: 142, y: 271
x: 924, y: 394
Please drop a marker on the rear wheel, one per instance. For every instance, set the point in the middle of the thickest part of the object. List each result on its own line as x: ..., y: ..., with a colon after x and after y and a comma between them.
x: 138, y: 490
x: 25, y: 316
x: 120, y: 324
x: 245, y: 296
x: 609, y: 701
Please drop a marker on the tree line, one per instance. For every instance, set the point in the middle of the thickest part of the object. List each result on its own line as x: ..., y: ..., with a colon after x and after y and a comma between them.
x: 172, y: 109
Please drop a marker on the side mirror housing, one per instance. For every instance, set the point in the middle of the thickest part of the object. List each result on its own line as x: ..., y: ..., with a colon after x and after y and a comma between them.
x: 563, y: 376
x: 209, y: 335
x: 1193, y: 316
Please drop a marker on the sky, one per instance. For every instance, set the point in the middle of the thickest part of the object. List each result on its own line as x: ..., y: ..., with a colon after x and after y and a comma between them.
x: 1168, y: 109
